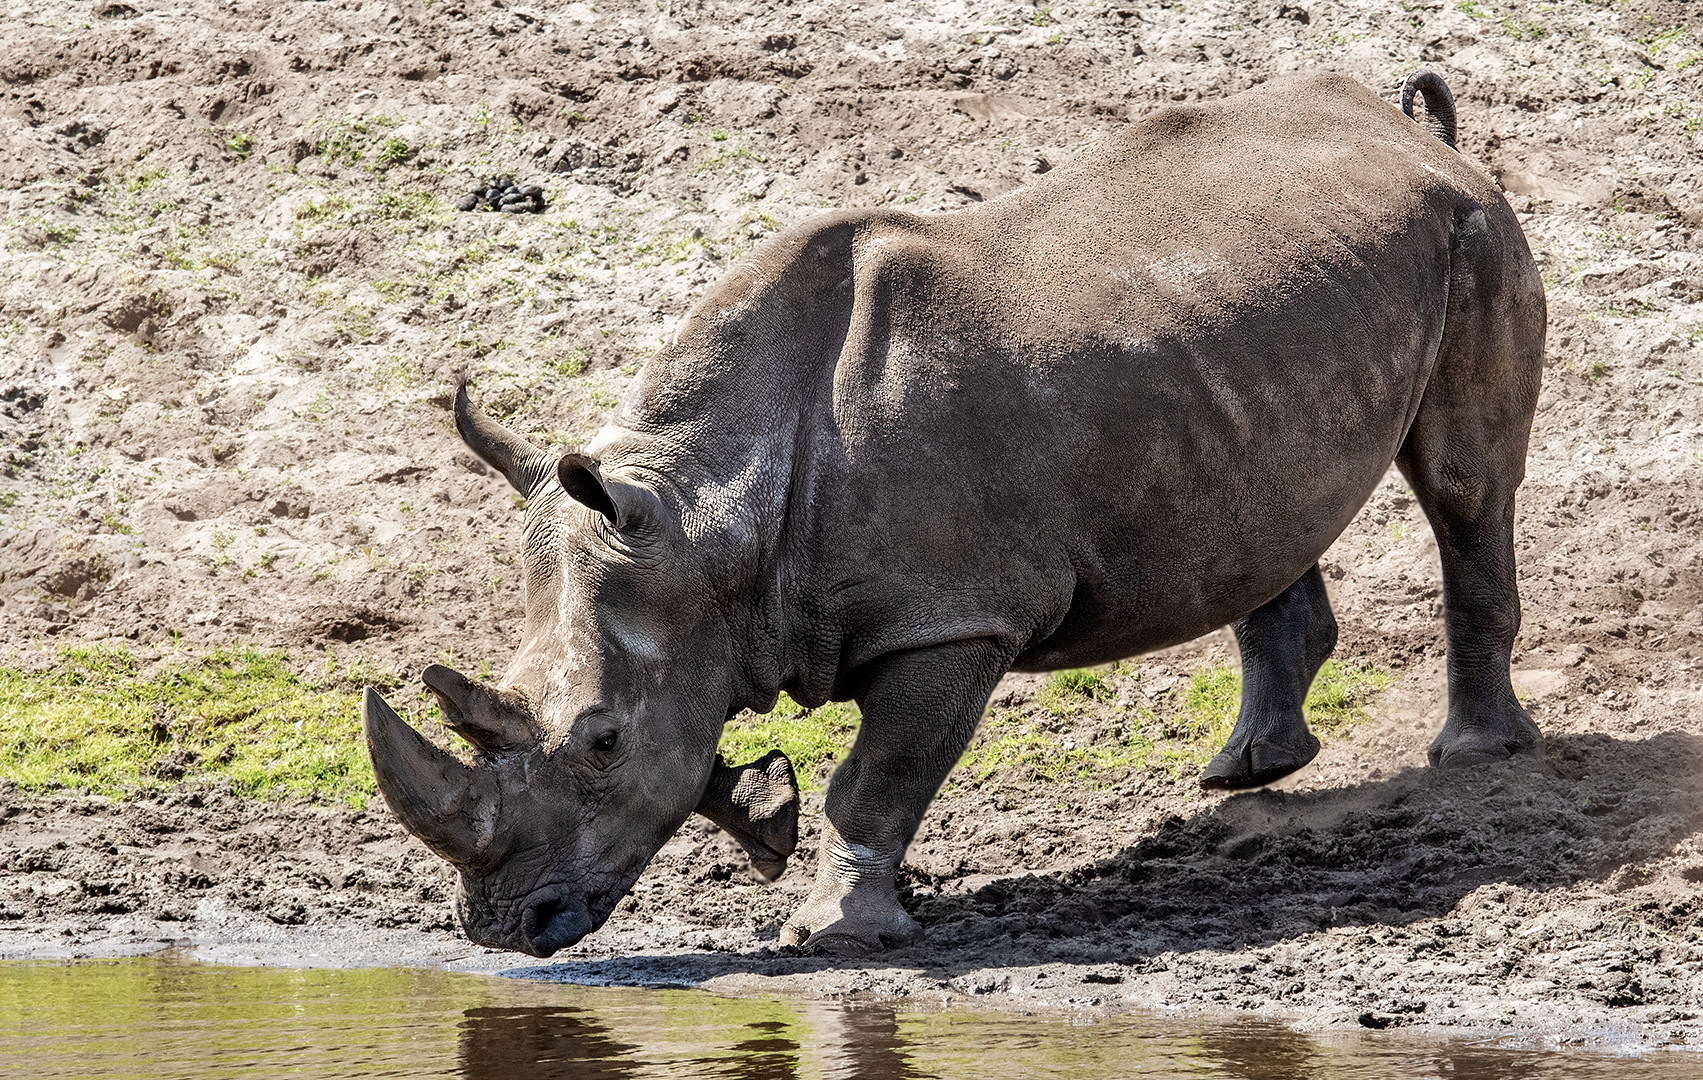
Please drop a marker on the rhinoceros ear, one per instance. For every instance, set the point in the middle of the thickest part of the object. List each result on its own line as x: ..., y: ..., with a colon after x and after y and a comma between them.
x: 624, y: 505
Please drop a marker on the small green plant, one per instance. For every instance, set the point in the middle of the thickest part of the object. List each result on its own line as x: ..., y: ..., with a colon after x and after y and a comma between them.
x: 393, y: 150
x: 141, y: 181
x: 404, y: 206
x: 1067, y: 692
x: 1043, y: 16
x: 572, y: 365
x: 347, y: 139
x: 318, y: 210
x: 239, y: 144
x: 1656, y: 42
x: 44, y: 232
x: 1595, y: 370
x: 1520, y: 31
x: 734, y: 152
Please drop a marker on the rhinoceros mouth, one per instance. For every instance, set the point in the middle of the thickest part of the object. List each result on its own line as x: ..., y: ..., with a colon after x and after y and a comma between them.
x: 554, y: 919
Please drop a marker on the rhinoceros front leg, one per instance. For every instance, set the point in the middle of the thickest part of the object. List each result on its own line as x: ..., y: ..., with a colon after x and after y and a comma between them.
x: 756, y: 804
x: 1283, y: 642
x: 920, y: 709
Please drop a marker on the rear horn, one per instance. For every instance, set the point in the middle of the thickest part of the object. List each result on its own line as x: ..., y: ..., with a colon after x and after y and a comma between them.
x: 524, y: 466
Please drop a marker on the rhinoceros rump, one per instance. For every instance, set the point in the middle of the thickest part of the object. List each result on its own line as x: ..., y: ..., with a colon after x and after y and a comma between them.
x: 891, y: 457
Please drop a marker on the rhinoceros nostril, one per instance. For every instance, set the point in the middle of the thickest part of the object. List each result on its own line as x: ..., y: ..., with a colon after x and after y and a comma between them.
x: 554, y: 921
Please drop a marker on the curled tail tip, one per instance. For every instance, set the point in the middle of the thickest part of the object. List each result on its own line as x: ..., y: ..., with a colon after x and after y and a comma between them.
x: 1439, y: 103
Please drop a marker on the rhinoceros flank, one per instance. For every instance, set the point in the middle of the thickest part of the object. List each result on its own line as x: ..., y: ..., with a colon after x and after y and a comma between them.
x: 891, y: 457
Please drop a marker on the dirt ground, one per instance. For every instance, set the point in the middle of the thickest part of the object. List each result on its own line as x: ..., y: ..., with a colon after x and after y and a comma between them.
x: 235, y: 292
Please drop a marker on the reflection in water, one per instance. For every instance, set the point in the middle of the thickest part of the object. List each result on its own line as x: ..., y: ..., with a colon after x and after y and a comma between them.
x: 166, y: 1018
x: 860, y: 1042
x: 768, y: 1054
x: 540, y: 1042
x: 1263, y: 1054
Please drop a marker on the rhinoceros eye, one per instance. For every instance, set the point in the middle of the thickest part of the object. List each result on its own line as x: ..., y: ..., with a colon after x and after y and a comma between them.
x: 604, y: 742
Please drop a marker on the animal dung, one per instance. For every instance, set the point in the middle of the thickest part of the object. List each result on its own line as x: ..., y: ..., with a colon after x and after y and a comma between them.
x: 502, y: 194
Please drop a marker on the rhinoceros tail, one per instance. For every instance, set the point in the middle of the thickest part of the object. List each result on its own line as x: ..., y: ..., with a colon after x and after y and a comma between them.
x: 1439, y: 103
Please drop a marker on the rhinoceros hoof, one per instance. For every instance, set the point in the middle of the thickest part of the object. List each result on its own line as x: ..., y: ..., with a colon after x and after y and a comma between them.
x: 768, y: 792
x: 858, y: 924
x: 1256, y: 763
x: 1463, y: 745
x: 757, y: 804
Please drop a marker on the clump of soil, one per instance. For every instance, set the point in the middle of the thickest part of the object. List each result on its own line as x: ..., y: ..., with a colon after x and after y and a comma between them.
x: 237, y: 293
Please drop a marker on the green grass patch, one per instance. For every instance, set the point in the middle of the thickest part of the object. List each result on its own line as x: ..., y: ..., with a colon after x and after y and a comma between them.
x: 318, y: 210
x: 1340, y: 695
x: 347, y: 139
x: 1208, y: 710
x: 1138, y: 737
x: 812, y: 739
x: 1068, y: 692
x: 239, y: 144
x: 404, y: 205
x: 100, y: 722
x: 1132, y: 738
x: 393, y: 150
x: 1010, y: 740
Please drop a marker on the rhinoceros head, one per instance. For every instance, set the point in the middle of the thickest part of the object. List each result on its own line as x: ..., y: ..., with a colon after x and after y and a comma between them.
x: 602, y: 737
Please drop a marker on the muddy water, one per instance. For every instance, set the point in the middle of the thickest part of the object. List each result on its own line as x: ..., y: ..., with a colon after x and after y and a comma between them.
x: 166, y: 1018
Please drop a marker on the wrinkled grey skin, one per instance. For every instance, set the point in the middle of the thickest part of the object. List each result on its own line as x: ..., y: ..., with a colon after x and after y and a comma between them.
x: 891, y: 457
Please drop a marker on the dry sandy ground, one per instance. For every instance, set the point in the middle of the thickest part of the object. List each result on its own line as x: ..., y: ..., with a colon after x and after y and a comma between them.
x: 234, y: 294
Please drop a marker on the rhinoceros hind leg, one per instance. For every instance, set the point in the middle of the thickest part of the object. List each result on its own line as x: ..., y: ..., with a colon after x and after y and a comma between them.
x: 920, y: 709
x: 1465, y: 456
x: 1283, y: 644
x: 1481, y: 616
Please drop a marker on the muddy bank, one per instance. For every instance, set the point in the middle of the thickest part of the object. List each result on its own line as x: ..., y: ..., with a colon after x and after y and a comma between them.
x: 1551, y: 897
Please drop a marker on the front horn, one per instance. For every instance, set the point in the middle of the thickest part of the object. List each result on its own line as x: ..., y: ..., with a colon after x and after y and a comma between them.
x: 450, y: 807
x: 524, y: 466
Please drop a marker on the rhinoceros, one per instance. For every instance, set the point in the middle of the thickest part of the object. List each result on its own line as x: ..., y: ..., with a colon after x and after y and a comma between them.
x: 891, y: 457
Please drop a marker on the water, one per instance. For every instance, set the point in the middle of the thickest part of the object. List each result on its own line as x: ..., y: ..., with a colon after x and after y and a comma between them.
x: 166, y: 1018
